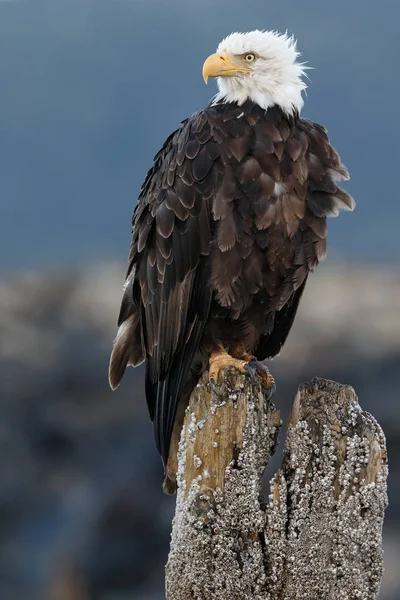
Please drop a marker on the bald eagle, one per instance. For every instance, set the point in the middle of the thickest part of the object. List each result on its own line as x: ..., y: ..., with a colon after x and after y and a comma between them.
x: 230, y: 221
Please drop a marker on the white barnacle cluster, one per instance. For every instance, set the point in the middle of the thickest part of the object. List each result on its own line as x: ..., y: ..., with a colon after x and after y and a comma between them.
x: 224, y: 545
x: 192, y: 427
x: 320, y: 532
x: 240, y: 521
x: 197, y: 461
x: 275, y: 531
x: 325, y: 511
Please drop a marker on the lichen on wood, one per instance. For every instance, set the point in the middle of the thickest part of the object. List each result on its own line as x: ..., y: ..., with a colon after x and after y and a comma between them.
x: 319, y: 532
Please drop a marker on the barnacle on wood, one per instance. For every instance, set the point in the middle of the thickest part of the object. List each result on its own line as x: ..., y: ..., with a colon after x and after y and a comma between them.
x: 318, y: 535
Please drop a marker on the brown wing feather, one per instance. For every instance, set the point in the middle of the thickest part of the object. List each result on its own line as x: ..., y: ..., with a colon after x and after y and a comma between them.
x: 166, y: 298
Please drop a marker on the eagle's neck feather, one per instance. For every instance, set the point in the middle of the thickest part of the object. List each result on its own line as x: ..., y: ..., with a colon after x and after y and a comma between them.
x: 285, y: 93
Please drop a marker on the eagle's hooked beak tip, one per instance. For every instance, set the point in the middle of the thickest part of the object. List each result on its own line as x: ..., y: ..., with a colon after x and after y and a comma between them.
x: 214, y: 65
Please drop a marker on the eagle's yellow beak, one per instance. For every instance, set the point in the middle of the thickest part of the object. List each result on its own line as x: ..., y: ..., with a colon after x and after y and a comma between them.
x: 219, y: 65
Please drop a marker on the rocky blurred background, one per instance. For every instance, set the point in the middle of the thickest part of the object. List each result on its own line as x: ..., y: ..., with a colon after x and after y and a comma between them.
x: 89, y: 91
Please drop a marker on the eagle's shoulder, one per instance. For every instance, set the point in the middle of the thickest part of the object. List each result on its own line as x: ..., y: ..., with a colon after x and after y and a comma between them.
x: 181, y: 155
x: 175, y: 187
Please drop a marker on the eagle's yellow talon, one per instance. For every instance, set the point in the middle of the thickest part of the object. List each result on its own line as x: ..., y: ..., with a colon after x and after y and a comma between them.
x: 219, y: 360
x: 247, y: 364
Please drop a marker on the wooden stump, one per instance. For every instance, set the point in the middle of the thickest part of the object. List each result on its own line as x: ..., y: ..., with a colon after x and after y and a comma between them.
x: 319, y: 535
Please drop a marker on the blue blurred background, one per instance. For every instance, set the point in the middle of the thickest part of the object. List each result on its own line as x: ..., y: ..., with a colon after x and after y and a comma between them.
x: 89, y: 91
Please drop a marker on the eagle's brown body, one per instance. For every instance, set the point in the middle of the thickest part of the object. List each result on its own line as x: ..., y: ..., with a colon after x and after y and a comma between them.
x: 230, y: 221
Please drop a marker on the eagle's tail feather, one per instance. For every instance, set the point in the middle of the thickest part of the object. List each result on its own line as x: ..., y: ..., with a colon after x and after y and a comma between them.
x: 164, y: 394
x: 127, y: 349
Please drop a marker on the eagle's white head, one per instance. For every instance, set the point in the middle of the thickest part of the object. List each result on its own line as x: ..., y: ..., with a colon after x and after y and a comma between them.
x: 260, y: 66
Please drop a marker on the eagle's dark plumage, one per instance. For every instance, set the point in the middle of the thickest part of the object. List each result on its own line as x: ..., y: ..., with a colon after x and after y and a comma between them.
x: 216, y: 254
x: 230, y: 221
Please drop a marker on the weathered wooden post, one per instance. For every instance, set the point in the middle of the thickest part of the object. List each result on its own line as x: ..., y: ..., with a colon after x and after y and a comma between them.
x: 318, y: 535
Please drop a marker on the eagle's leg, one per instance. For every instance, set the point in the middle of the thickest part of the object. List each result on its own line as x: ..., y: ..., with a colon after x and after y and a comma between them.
x: 254, y: 366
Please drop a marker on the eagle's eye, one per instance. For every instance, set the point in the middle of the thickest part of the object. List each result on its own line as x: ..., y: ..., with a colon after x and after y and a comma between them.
x: 249, y: 57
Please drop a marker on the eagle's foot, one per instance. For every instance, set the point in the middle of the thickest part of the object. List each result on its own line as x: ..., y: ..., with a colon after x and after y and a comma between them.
x: 255, y: 367
x: 249, y: 365
x: 219, y: 360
